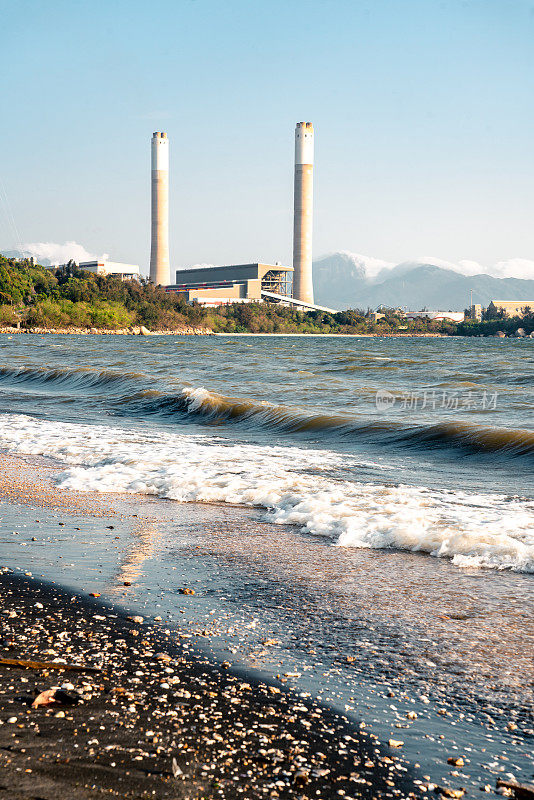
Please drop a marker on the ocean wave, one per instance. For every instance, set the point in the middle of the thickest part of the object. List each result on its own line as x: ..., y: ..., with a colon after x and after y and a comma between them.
x: 463, y: 435
x: 78, y: 378
x: 126, y: 394
x: 293, y: 485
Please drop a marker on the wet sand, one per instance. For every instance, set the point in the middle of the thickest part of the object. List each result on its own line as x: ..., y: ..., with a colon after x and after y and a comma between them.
x: 230, y: 734
x: 304, y: 606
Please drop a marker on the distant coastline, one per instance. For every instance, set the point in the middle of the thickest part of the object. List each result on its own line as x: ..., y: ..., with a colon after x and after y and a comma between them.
x: 208, y: 332
x: 109, y: 331
x: 72, y: 301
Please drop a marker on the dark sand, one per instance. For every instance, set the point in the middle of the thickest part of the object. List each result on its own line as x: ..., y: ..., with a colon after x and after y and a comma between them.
x: 230, y: 736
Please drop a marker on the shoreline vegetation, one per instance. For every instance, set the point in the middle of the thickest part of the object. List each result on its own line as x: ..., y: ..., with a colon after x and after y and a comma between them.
x: 68, y: 300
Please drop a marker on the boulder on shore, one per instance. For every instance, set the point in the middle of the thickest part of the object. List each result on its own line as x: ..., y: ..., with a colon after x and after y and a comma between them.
x: 144, y: 331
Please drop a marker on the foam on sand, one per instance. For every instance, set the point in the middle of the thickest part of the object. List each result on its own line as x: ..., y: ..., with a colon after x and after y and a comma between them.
x: 294, y: 485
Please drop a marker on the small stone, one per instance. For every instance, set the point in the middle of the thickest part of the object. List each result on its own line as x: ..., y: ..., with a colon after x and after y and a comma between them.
x: 176, y: 771
x: 444, y: 791
x: 163, y: 657
x: 301, y: 777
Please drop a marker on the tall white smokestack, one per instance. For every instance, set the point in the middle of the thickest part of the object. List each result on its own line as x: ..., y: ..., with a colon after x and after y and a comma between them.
x: 159, y: 251
x: 303, y: 215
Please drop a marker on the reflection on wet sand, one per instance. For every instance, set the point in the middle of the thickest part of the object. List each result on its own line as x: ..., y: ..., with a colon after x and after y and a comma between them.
x: 145, y: 541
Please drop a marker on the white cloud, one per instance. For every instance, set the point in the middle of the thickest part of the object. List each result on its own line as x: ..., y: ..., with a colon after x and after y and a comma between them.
x: 372, y: 266
x: 48, y: 253
x: 511, y: 268
x: 377, y: 270
x: 515, y: 268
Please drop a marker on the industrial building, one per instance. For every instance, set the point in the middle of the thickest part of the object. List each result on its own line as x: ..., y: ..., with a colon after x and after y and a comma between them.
x: 438, y: 316
x: 126, y: 272
x: 239, y: 283
x: 511, y: 308
x: 475, y: 312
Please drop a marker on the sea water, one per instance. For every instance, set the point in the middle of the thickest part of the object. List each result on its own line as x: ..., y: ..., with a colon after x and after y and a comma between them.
x: 389, y: 540
x: 415, y: 444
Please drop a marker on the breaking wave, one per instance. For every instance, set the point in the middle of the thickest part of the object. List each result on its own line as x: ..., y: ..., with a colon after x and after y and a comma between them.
x: 293, y: 485
x: 473, y: 438
x: 125, y: 395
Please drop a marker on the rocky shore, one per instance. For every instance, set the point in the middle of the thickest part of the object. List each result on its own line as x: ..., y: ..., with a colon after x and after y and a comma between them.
x: 188, y: 331
x: 135, y: 331
x: 134, y: 717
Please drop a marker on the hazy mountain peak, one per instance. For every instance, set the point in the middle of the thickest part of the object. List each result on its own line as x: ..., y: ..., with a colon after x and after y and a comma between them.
x: 348, y: 263
x: 350, y: 280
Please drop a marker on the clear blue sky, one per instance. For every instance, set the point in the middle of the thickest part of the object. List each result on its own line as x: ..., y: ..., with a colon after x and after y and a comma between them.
x: 423, y: 110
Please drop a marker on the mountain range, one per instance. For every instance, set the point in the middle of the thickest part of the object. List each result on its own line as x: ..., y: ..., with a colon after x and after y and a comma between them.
x: 347, y: 280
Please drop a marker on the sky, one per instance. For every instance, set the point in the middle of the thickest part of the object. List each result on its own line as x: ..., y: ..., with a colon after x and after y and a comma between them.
x: 423, y: 114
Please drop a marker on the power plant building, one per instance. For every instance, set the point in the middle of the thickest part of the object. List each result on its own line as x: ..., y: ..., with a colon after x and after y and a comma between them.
x: 125, y: 272
x: 511, y: 308
x: 437, y: 316
x: 240, y: 283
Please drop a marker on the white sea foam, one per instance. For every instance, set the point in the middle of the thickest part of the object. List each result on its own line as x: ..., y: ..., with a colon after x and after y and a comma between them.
x: 294, y: 485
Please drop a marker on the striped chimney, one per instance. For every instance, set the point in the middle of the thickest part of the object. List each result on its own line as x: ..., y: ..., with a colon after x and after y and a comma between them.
x: 159, y: 251
x: 303, y: 213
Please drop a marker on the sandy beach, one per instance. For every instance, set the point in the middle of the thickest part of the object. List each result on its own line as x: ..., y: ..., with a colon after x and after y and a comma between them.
x: 229, y: 736
x: 152, y: 703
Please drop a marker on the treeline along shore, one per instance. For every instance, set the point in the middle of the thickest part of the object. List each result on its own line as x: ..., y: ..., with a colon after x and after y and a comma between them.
x: 34, y: 299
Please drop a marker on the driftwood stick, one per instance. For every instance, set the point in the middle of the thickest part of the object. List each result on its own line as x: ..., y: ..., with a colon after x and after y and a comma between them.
x: 521, y: 791
x: 23, y: 664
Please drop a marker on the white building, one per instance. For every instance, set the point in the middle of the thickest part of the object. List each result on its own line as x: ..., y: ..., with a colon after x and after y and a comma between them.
x: 454, y: 316
x: 125, y: 272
